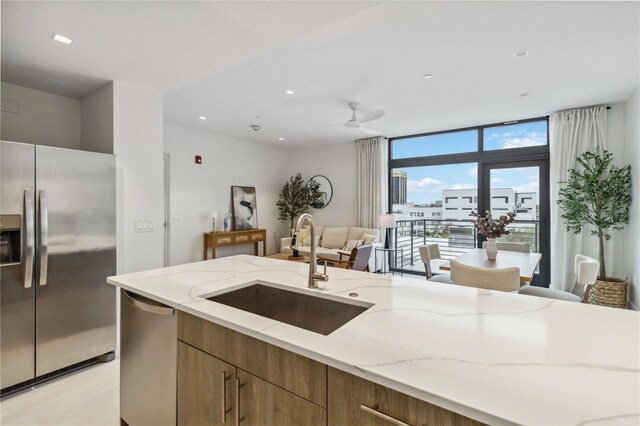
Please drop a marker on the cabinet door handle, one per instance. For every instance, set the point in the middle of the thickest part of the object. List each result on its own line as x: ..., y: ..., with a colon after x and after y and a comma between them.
x: 225, y: 410
x: 383, y: 416
x: 238, y: 418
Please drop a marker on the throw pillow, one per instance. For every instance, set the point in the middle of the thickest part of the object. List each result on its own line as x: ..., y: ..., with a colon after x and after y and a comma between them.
x: 307, y: 240
x: 368, y: 238
x: 334, y: 237
x: 351, y: 244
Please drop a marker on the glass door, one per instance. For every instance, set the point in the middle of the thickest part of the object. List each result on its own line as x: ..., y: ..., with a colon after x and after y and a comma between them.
x: 521, y: 187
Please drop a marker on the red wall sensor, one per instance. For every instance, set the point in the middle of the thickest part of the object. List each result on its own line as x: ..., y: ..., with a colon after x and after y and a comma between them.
x: 198, y: 159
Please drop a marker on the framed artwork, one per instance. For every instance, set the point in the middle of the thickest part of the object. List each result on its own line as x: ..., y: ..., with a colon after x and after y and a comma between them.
x: 244, y: 211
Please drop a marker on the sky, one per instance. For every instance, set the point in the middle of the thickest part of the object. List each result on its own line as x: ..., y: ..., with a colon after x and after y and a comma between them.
x: 425, y: 184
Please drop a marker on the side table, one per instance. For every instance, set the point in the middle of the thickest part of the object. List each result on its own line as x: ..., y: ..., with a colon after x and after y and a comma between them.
x: 213, y: 240
x: 386, y: 252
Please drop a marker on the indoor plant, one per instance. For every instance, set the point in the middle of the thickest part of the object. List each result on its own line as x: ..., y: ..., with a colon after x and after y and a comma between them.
x: 598, y: 193
x: 298, y: 197
x: 492, y: 229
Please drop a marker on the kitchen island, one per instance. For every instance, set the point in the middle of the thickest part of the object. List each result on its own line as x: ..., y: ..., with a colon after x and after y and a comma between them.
x: 497, y: 358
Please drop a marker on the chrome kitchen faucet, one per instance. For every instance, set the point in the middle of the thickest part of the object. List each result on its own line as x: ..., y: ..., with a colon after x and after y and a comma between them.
x: 314, y: 276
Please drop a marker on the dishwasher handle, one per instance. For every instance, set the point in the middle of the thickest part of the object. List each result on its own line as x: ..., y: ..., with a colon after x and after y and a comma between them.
x: 148, y: 305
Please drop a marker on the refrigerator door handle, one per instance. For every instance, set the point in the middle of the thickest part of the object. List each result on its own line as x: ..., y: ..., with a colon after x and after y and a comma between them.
x: 44, y: 237
x: 29, y: 245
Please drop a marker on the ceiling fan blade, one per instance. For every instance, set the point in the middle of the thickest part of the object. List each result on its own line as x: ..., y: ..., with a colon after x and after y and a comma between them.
x: 373, y: 115
x: 354, y: 124
x: 370, y: 131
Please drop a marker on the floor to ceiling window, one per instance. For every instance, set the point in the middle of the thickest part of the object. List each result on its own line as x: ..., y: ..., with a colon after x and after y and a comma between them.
x: 437, y: 179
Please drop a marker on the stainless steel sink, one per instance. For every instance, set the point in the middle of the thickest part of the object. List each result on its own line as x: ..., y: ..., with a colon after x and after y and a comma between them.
x: 318, y: 314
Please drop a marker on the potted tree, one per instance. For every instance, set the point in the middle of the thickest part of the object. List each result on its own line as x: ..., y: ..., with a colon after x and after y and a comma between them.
x: 598, y: 194
x: 298, y: 197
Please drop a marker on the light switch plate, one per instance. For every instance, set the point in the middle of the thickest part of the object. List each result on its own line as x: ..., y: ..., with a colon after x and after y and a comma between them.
x: 144, y: 225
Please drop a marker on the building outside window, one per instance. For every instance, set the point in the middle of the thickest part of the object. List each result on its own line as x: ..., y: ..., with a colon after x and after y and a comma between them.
x: 399, y: 188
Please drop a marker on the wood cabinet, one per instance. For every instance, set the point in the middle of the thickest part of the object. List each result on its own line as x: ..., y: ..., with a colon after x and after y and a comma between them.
x: 295, y: 373
x: 358, y: 402
x: 212, y: 392
x: 226, y: 377
x: 262, y: 403
x: 205, y: 388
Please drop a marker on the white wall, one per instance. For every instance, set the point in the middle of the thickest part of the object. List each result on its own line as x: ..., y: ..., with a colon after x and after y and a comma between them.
x: 339, y: 164
x: 198, y: 189
x: 632, y: 231
x: 138, y: 146
x: 97, y: 121
x: 44, y: 118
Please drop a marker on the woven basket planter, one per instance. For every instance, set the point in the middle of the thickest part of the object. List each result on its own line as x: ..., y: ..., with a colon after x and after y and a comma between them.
x: 610, y: 292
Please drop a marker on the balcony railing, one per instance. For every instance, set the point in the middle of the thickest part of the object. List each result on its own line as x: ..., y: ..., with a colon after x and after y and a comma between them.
x: 454, y: 237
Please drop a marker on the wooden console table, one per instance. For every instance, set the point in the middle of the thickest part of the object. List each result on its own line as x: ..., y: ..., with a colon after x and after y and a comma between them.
x: 233, y: 238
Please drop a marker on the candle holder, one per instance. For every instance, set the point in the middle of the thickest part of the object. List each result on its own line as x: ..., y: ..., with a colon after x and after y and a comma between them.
x: 213, y: 226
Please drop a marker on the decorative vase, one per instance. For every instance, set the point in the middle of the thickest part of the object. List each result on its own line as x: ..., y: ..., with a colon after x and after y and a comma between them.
x: 492, y: 249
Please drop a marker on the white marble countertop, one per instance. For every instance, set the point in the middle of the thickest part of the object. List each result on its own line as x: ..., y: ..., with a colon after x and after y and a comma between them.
x: 500, y: 358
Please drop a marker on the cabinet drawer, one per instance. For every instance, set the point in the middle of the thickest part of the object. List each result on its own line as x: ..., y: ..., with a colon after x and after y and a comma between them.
x: 357, y: 402
x: 223, y: 241
x: 241, y: 238
x: 293, y: 372
x: 257, y: 237
x: 261, y: 403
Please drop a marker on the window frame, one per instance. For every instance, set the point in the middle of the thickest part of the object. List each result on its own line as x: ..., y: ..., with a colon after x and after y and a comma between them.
x: 480, y: 157
x: 483, y: 159
x: 494, y: 155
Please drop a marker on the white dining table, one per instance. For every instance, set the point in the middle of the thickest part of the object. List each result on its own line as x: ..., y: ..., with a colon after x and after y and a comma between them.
x: 525, y: 262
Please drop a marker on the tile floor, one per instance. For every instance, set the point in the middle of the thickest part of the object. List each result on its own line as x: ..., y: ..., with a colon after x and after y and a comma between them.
x: 86, y: 397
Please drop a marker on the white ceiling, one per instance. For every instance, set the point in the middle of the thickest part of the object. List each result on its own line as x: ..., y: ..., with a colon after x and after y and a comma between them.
x: 233, y: 61
x: 163, y: 45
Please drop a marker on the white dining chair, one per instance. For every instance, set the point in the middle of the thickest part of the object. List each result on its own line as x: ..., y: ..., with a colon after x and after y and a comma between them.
x: 510, y: 246
x: 586, y: 270
x: 503, y: 279
x: 430, y: 257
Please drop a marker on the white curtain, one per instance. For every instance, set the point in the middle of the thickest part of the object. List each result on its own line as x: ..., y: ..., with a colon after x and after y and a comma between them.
x: 572, y: 133
x: 372, y: 180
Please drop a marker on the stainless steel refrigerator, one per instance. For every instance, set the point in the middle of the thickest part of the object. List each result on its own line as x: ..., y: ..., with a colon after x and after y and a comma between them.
x: 57, y: 246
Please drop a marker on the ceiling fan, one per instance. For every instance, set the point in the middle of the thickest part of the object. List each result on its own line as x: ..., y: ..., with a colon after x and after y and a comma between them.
x: 356, y: 123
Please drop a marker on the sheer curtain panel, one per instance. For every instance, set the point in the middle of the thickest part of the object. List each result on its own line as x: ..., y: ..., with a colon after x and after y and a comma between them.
x: 372, y: 180
x: 571, y: 133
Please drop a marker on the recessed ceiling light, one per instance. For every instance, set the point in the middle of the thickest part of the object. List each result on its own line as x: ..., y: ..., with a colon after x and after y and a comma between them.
x: 280, y: 139
x: 427, y: 76
x: 522, y: 54
x: 61, y: 39
x: 289, y: 92
x: 202, y: 117
x: 523, y: 94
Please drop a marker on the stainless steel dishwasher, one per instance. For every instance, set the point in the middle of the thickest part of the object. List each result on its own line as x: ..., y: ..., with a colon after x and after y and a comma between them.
x: 148, y: 364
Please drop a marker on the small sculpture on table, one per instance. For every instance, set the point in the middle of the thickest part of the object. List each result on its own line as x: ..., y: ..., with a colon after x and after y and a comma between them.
x: 214, y: 216
x: 296, y: 254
